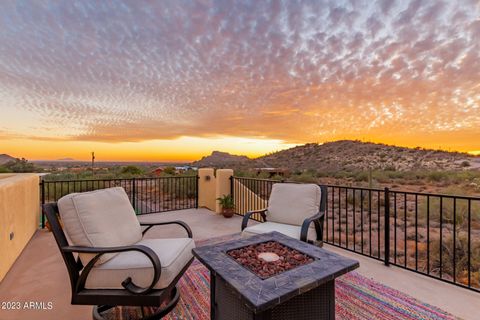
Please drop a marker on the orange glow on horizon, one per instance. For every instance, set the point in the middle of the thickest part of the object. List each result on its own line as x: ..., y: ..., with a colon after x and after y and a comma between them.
x: 185, y: 149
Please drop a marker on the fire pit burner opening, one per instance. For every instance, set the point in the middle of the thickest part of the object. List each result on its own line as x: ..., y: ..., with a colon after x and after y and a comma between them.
x: 270, y: 258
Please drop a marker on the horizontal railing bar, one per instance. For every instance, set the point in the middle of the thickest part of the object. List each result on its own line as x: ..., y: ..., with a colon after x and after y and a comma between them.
x: 450, y: 196
x: 350, y: 187
x: 259, y: 179
x: 120, y: 179
x: 351, y: 250
x: 169, y: 210
x: 463, y: 197
x: 436, y: 277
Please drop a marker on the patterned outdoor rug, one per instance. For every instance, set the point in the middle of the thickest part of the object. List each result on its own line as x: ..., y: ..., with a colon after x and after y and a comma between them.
x: 357, y: 297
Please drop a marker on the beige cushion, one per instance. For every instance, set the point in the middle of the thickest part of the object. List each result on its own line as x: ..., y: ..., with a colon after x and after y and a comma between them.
x: 174, y: 254
x: 292, y: 203
x: 286, y: 229
x: 101, y: 218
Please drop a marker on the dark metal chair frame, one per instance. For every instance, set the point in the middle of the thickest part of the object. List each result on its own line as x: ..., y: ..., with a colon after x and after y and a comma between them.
x: 317, y: 219
x: 132, y: 295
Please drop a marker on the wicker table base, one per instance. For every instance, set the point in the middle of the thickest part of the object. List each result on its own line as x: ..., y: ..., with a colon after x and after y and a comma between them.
x: 318, y: 304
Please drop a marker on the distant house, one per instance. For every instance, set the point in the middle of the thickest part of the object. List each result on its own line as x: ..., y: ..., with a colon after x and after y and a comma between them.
x: 182, y: 169
x: 273, y: 171
x: 158, y: 171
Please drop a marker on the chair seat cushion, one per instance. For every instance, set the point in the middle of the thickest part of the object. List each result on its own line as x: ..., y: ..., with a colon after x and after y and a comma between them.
x: 174, y: 254
x: 286, y: 229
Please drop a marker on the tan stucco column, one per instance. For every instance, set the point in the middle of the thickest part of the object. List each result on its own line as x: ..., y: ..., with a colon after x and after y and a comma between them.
x: 213, y: 185
x: 223, y: 186
x: 206, y: 188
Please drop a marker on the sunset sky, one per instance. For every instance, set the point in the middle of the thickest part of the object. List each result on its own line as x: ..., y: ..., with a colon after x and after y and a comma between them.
x: 174, y: 80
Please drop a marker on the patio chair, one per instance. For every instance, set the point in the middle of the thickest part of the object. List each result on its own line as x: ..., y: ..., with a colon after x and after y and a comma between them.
x: 115, y: 266
x: 296, y: 210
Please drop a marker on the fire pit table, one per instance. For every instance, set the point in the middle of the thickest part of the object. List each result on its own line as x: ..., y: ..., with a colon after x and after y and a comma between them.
x: 272, y: 276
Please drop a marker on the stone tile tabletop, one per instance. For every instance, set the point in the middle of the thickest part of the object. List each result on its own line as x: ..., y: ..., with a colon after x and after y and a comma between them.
x: 260, y: 295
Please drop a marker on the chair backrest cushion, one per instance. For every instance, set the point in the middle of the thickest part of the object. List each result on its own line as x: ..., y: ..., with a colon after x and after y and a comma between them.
x: 292, y: 203
x: 100, y: 218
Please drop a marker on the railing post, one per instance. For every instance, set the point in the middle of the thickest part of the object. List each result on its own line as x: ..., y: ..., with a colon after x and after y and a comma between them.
x: 231, y: 188
x: 42, y: 190
x: 196, y: 191
x: 134, y: 197
x: 387, y: 227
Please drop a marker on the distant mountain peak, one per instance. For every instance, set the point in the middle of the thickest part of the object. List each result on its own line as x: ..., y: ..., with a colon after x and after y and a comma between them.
x: 220, y: 159
x: 4, y: 158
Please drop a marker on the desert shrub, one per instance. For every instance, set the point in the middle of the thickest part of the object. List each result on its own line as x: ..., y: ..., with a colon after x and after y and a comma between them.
x: 322, y: 174
x: 21, y: 166
x: 263, y: 175
x: 381, y: 176
x: 245, y: 173
x: 304, y: 177
x: 461, y: 258
x: 341, y: 175
x: 463, y: 176
x: 277, y: 177
x: 465, y: 164
x: 60, y: 176
x: 437, y: 176
x: 132, y: 170
x: 4, y: 170
x: 386, y: 176
x: 361, y: 176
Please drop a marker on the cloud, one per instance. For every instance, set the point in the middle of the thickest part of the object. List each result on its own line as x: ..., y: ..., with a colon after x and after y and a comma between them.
x: 296, y: 71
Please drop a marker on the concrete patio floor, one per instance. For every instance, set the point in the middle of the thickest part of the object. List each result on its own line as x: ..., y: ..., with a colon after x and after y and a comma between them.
x: 39, y: 274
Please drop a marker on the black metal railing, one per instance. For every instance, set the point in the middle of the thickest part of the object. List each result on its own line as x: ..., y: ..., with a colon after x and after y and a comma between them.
x: 147, y: 195
x: 436, y: 235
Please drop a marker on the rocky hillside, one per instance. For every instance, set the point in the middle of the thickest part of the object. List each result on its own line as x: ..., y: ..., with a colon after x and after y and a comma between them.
x: 221, y: 160
x: 4, y: 158
x: 349, y: 155
x: 356, y: 155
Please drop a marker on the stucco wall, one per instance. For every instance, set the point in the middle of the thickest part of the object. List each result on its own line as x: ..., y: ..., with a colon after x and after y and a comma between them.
x: 206, y: 188
x: 223, y: 186
x: 212, y: 185
x: 19, y: 214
